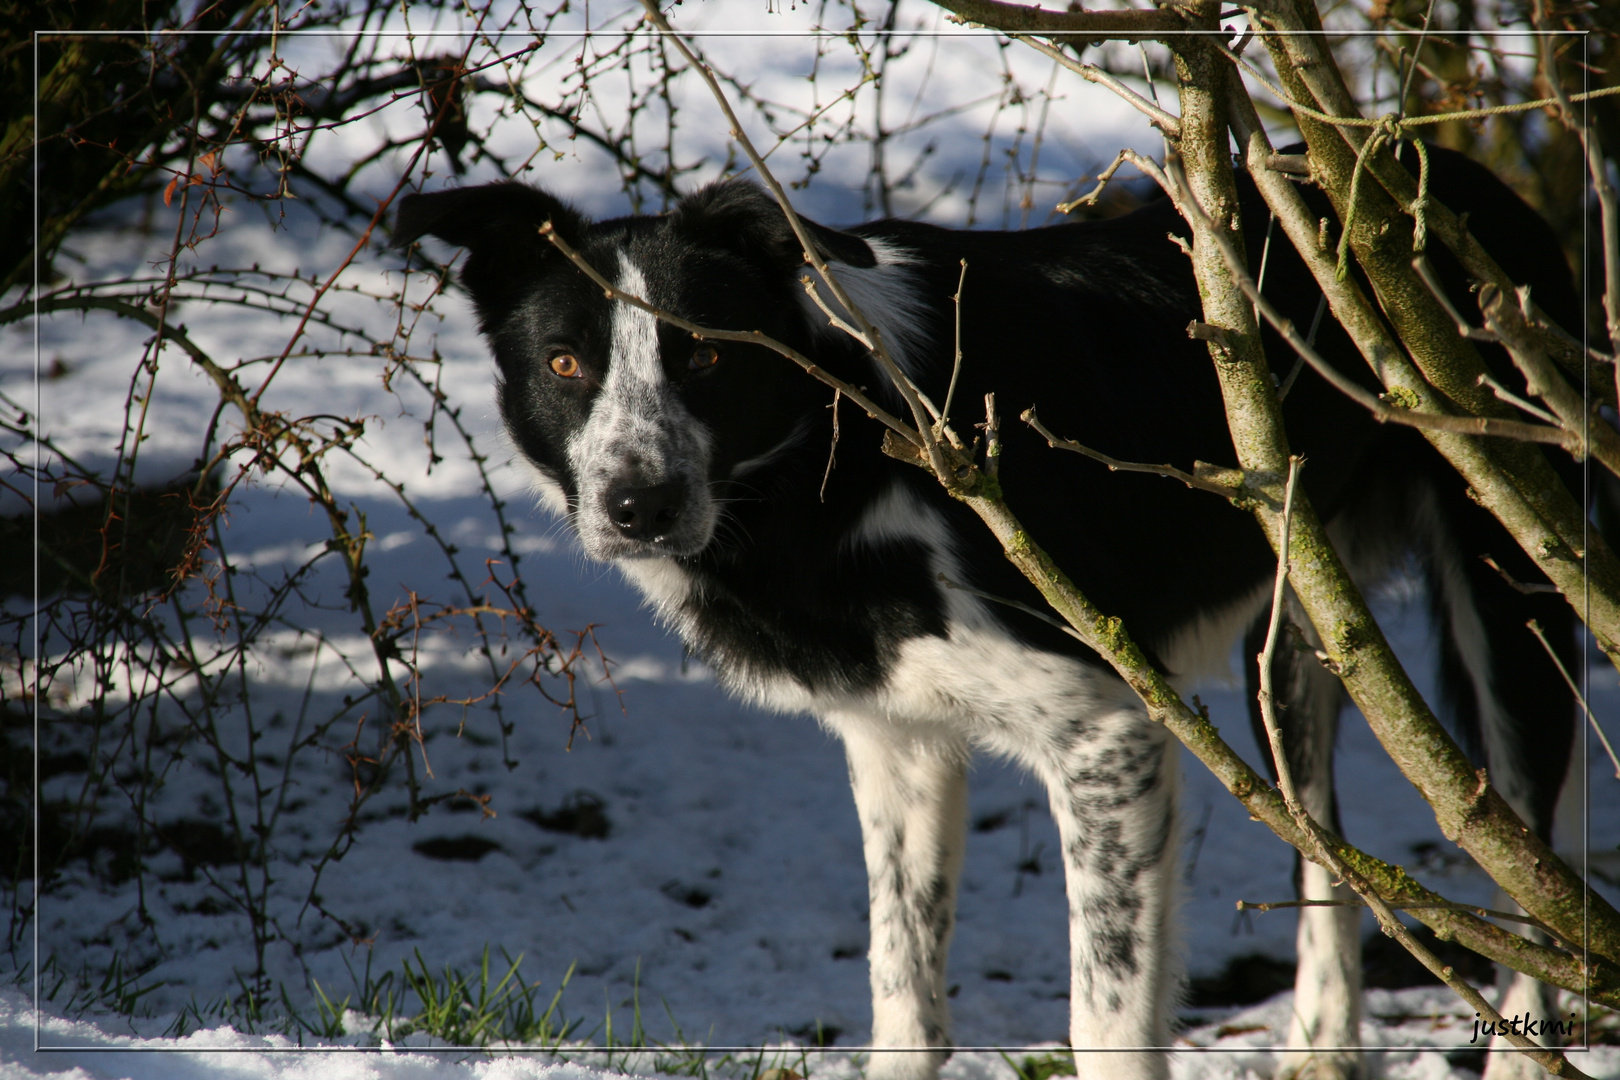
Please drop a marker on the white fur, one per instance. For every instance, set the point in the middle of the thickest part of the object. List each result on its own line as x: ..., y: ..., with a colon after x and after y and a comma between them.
x: 662, y: 581
x: 640, y: 433
x: 1203, y: 648
x: 760, y: 461
x: 1074, y: 726
x: 910, y: 786
x: 887, y: 294
x: 542, y: 485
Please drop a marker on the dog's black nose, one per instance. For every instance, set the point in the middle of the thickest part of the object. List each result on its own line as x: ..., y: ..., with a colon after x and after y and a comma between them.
x: 645, y: 513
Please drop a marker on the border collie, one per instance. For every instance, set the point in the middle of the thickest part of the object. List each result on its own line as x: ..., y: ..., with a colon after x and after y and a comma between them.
x: 701, y: 469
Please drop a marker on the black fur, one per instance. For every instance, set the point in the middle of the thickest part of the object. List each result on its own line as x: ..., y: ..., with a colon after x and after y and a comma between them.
x: 783, y: 594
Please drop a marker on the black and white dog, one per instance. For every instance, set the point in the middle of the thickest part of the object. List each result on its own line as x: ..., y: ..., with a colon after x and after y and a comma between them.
x: 698, y: 468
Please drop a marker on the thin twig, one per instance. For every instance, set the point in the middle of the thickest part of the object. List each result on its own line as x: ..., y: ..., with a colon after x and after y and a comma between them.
x: 838, y: 321
x: 1504, y: 394
x: 832, y: 449
x: 1090, y: 198
x: 956, y: 362
x: 1401, y: 905
x: 1299, y: 361
x: 1265, y: 260
x: 1535, y: 628
x: 1268, y: 709
x: 1420, y: 263
x: 1170, y: 471
x: 833, y: 318
x: 992, y: 438
x: 1160, y: 119
x: 1417, y: 51
x: 1019, y: 605
x: 1524, y: 588
x: 1150, y: 169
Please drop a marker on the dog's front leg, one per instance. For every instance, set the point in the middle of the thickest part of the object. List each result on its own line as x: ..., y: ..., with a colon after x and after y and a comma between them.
x: 1112, y: 781
x: 910, y: 787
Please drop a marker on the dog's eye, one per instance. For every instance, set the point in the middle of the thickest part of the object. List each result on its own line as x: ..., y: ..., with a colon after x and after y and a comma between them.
x: 566, y: 366
x: 704, y: 356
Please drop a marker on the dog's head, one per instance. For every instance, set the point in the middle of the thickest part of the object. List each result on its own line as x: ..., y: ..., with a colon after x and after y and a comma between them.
x: 634, y: 426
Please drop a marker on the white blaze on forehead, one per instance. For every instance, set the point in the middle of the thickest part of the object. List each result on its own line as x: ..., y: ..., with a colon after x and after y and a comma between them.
x: 635, y: 335
x: 639, y: 433
x: 637, y: 428
x: 628, y: 432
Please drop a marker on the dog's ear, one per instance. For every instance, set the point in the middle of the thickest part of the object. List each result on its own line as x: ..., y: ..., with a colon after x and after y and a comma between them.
x: 498, y: 224
x: 738, y: 215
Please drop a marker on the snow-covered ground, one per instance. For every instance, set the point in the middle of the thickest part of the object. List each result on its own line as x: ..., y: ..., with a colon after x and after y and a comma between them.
x: 1237, y: 1047
x: 691, y: 856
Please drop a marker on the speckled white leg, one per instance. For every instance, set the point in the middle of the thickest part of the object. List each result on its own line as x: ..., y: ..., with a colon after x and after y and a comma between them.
x: 1112, y: 783
x: 910, y: 786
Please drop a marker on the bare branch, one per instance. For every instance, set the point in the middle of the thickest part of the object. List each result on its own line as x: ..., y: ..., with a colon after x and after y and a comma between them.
x: 1268, y: 708
x: 1516, y: 585
x: 1015, y: 604
x: 992, y: 438
x: 1510, y: 324
x: 1161, y: 119
x: 1535, y: 628
x: 1170, y: 471
x: 1484, y: 913
x: 832, y: 447
x: 1090, y: 198
x: 1084, y: 25
x: 1383, y: 413
x: 1504, y: 394
x: 1552, y: 1060
x: 956, y: 361
x: 1420, y: 263
x: 1557, y: 544
x: 1597, y: 169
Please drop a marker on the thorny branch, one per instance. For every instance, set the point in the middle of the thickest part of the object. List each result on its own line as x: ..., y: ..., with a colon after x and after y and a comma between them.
x: 1114, y: 465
